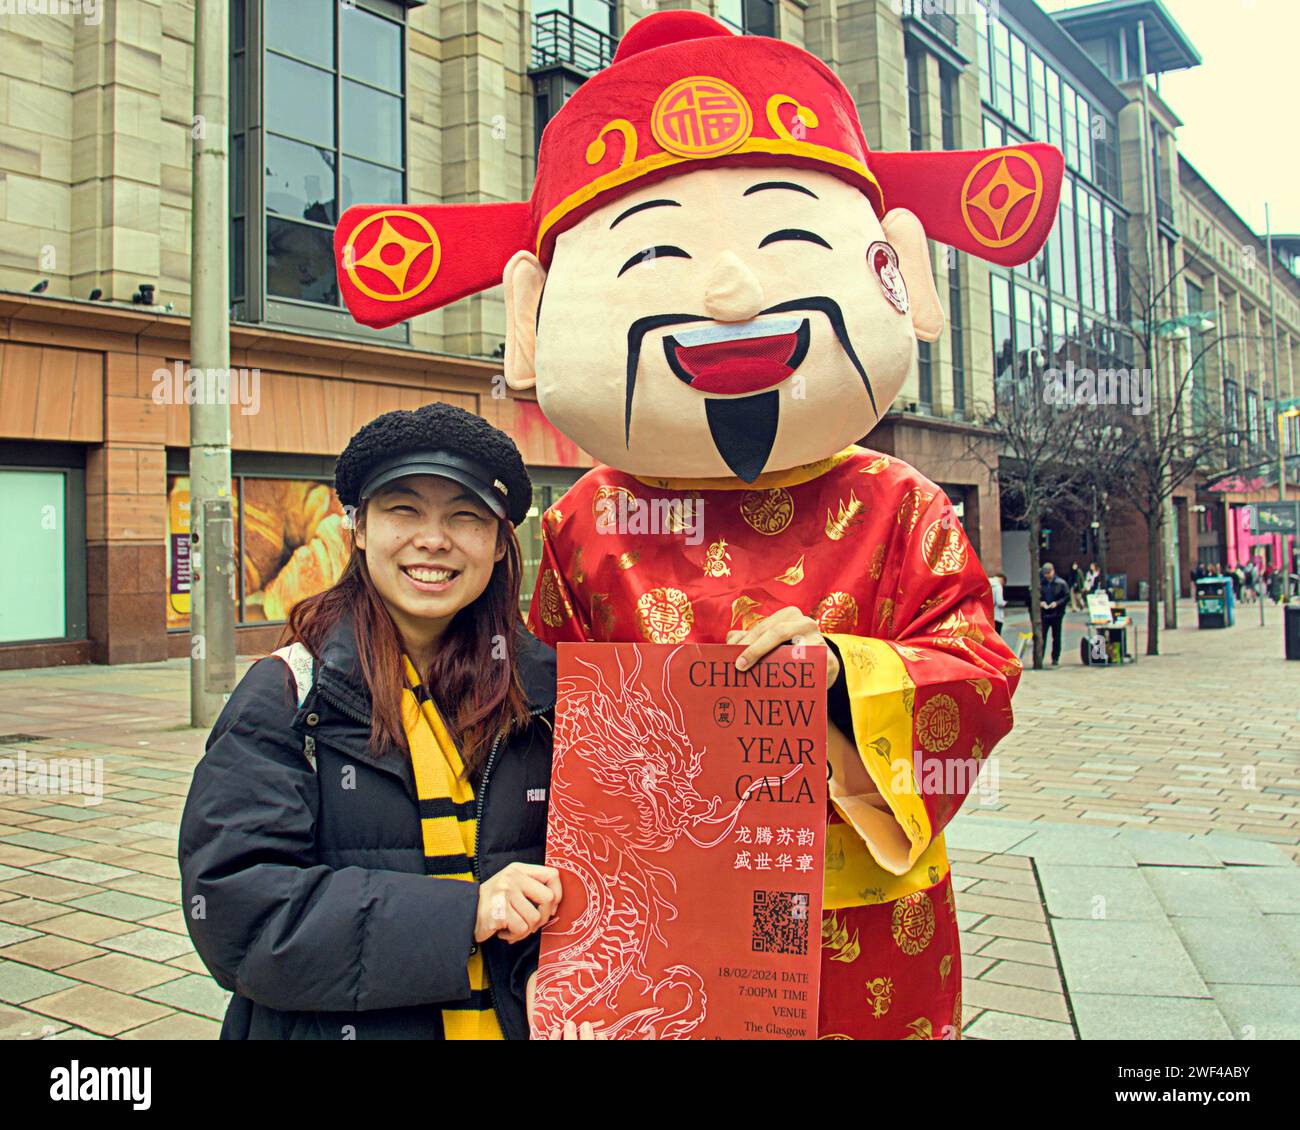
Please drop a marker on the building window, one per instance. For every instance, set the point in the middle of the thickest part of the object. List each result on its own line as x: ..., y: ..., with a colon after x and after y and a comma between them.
x: 751, y: 17
x: 1232, y: 412
x: 1002, y: 68
x: 1252, y: 416
x: 948, y: 105
x: 324, y: 129
x: 915, y: 132
x: 925, y: 374
x: 1020, y: 83
x: 1003, y: 344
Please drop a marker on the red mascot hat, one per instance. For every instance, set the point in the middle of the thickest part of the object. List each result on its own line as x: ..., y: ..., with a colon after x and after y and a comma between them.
x: 683, y: 90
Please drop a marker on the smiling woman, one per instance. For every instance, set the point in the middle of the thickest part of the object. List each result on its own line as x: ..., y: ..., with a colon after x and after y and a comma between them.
x: 353, y: 878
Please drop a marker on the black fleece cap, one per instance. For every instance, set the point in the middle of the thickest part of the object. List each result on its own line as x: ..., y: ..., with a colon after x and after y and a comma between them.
x: 437, y: 439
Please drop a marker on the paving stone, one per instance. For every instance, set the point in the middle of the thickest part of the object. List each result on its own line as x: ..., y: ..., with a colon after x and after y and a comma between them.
x: 27, y: 911
x: 1242, y: 950
x: 983, y: 993
x: 1273, y: 890
x: 1013, y: 928
x: 1197, y: 892
x: 156, y: 945
x: 121, y: 972
x: 1024, y: 975
x: 98, y: 1010
x: 178, y: 1026
x: 1016, y: 949
x: 83, y: 927
x: 1102, y: 1016
x: 192, y: 993
x: 1239, y: 850
x: 21, y: 983
x: 994, y: 1025
x: 1179, y: 849
x: 1001, y: 907
x: 80, y: 870
x: 1082, y: 846
x: 1258, y: 1012
x: 1127, y: 958
x: 48, y: 951
x: 10, y: 934
x: 48, y: 888
x: 117, y: 904
x: 19, y: 1024
x: 1110, y: 893
x: 973, y: 834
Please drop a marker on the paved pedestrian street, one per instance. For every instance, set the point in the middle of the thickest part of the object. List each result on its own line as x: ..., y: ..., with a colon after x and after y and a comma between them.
x: 1129, y: 869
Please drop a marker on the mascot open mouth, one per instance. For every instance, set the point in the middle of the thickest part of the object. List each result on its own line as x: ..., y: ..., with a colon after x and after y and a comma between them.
x: 744, y: 358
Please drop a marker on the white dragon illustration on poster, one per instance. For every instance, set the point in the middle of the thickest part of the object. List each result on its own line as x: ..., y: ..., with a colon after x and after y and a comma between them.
x: 633, y: 742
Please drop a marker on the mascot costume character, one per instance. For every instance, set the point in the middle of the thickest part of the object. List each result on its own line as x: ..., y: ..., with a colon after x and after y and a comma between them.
x: 717, y: 289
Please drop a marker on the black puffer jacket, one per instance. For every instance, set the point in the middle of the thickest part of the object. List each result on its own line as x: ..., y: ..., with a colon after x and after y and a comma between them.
x: 304, y: 889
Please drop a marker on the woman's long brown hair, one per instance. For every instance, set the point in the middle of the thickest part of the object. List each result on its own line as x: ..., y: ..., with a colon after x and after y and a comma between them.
x: 474, y: 681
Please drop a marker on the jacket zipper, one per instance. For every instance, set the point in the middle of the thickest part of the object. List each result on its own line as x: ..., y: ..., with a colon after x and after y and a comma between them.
x: 478, y: 842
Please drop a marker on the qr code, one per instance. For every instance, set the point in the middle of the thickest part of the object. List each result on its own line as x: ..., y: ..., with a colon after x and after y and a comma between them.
x: 780, y: 922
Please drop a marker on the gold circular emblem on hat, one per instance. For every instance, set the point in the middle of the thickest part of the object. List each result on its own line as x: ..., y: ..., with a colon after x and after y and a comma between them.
x: 913, y: 922
x: 767, y: 511
x: 665, y: 615
x: 938, y: 723
x: 836, y: 612
x: 1016, y: 178
x: 701, y: 116
x: 395, y: 250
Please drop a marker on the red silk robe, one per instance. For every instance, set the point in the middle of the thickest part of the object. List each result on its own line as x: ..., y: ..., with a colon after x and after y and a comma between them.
x: 874, y: 552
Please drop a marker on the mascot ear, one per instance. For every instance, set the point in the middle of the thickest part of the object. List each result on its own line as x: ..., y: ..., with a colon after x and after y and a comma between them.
x: 907, y: 236
x: 523, y: 280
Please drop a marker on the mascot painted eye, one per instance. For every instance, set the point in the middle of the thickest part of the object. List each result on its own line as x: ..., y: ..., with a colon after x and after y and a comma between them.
x: 884, y: 265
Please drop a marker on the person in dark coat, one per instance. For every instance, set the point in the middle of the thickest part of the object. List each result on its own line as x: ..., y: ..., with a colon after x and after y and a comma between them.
x: 361, y: 849
x: 1054, y: 596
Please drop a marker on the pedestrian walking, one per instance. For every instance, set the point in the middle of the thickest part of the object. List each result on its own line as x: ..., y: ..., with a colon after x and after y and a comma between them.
x: 365, y: 832
x: 1054, y: 596
x: 998, y: 584
x: 1075, y: 581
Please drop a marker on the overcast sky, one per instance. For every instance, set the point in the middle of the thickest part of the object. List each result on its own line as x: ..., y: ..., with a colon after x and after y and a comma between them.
x: 1241, y: 106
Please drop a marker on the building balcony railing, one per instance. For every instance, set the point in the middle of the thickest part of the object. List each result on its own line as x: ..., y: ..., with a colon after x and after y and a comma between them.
x: 942, y: 24
x: 1165, y: 210
x: 560, y: 39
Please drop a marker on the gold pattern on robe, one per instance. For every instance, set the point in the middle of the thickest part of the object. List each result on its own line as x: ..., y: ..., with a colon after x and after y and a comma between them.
x: 553, y: 518
x: 908, y: 652
x: 665, y: 615
x: 882, y: 748
x: 913, y: 922
x: 835, y: 1036
x: 938, y: 723
x: 767, y: 511
x: 847, y: 518
x: 921, y: 1029
x: 835, y: 937
x: 956, y: 624
x: 836, y: 612
x: 834, y: 858
x: 983, y: 688
x: 872, y: 894
x: 880, y: 992
x: 928, y: 603
x: 716, y: 558
x: 952, y: 903
x: 794, y: 574
x: 909, y: 693
x: 1012, y: 668
x: 910, y: 508
x: 602, y: 614
x: 550, y: 599
x: 680, y: 514
x: 933, y: 871
x: 605, y: 506
x: 944, y: 548
x: 579, y: 577
x: 875, y: 466
x: 885, y: 611
x: 742, y: 609
x: 956, y: 1016
x: 628, y: 559
x: 860, y: 657
x: 877, y: 562
x: 955, y: 643
x: 945, y: 967
x: 977, y: 750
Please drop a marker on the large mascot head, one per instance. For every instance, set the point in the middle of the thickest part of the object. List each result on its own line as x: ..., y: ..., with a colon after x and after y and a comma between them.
x: 714, y: 274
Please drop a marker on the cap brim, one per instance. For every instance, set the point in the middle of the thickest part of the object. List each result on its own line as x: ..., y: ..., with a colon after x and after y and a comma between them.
x: 425, y: 466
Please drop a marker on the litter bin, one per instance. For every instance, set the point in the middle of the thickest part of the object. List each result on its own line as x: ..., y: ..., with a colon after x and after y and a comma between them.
x: 1292, y: 629
x: 1214, y: 602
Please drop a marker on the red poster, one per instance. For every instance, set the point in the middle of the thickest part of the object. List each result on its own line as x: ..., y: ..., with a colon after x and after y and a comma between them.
x: 688, y: 819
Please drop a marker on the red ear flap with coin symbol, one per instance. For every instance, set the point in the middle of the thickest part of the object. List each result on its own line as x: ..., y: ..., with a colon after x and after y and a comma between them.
x: 883, y: 261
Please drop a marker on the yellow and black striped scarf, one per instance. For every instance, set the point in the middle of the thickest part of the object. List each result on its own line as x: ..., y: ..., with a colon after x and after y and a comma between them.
x: 449, y: 831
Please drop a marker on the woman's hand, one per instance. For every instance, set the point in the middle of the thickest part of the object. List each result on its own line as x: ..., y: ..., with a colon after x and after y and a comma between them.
x: 584, y: 1031
x: 516, y: 901
x: 786, y: 625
